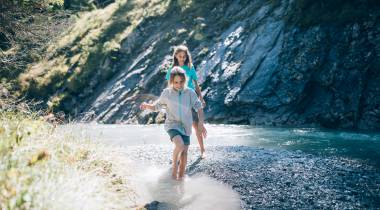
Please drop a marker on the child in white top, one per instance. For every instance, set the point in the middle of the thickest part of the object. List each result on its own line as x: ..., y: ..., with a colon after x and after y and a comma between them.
x: 179, y: 100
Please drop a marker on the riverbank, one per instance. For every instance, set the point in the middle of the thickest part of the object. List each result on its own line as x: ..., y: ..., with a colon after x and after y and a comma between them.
x: 44, y: 169
x: 277, y: 179
x: 270, y: 168
x: 91, y: 166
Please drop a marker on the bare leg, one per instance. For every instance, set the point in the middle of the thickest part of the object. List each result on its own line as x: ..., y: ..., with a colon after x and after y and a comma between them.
x: 183, y: 162
x: 179, y: 147
x: 199, y: 138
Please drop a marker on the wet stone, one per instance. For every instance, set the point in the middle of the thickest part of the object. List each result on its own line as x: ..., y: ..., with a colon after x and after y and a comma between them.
x: 312, y: 183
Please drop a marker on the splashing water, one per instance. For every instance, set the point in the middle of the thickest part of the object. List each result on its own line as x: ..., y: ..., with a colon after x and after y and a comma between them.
x: 196, y: 192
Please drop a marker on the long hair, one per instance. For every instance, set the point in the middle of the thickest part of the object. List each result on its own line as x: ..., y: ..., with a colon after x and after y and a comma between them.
x: 177, y: 71
x: 182, y: 48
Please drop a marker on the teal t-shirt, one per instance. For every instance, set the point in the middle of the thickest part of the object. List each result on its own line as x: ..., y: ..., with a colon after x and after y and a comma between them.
x: 190, y: 74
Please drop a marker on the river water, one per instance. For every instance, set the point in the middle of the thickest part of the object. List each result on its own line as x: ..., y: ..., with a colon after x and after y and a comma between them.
x: 253, y: 168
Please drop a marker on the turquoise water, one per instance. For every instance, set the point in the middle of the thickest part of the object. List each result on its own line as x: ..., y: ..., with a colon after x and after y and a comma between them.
x: 365, y: 146
x: 356, y: 145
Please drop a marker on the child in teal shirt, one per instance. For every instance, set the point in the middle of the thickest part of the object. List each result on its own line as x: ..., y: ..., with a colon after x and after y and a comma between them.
x: 190, y: 74
x: 182, y: 58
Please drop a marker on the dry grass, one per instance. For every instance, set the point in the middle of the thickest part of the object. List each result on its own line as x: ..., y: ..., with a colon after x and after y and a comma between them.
x: 77, y: 58
x: 45, y: 169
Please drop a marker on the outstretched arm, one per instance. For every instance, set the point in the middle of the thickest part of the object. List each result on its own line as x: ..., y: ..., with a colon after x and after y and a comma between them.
x: 161, y: 101
x: 145, y: 106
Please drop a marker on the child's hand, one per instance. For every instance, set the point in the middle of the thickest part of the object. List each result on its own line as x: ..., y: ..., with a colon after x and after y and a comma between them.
x: 203, y: 103
x: 143, y: 106
x: 202, y: 129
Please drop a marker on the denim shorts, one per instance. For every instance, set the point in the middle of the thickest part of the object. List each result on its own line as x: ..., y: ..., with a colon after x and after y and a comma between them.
x: 173, y: 132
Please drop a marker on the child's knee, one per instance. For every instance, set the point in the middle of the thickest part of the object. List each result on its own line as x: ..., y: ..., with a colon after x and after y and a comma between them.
x: 185, y: 150
x: 179, y: 142
x: 181, y: 147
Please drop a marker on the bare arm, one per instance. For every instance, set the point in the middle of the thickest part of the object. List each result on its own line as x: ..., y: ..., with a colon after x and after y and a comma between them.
x: 199, y: 92
x: 201, y: 126
x: 155, y: 105
x: 145, y: 106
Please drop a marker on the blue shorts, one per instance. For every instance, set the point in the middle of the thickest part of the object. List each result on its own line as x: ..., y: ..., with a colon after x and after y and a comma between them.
x: 173, y: 132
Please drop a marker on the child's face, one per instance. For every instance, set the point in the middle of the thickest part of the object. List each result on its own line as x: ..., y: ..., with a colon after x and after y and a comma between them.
x: 181, y: 57
x: 178, y: 83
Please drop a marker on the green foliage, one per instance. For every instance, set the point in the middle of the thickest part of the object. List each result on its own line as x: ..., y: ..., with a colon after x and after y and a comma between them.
x: 40, y: 4
x: 26, y: 28
x: 60, y: 4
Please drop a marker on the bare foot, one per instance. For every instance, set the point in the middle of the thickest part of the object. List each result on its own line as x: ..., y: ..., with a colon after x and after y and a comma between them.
x: 180, y: 178
x: 203, y: 155
x: 174, y: 176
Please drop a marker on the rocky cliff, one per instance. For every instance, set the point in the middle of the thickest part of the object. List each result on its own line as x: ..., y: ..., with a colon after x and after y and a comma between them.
x: 277, y: 63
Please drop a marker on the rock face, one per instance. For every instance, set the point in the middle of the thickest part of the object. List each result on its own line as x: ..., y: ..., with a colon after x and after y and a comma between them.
x: 256, y: 64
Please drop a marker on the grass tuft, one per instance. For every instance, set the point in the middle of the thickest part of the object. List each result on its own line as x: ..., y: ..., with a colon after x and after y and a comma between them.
x: 44, y: 168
